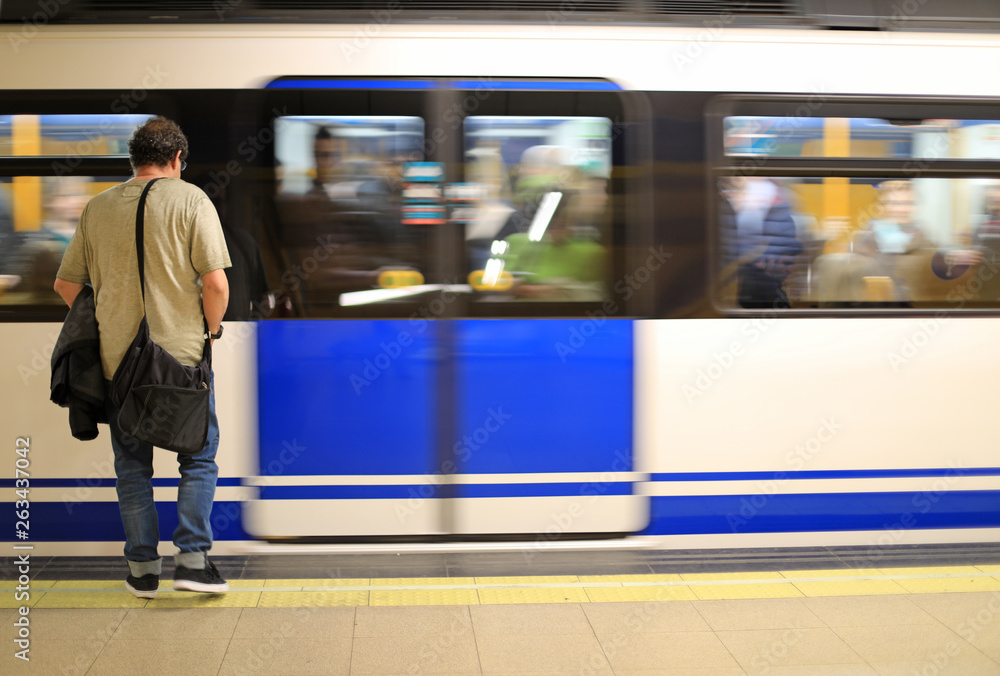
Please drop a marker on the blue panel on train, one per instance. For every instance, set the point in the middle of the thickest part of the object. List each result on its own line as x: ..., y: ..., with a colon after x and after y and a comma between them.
x: 345, y: 397
x: 544, y: 395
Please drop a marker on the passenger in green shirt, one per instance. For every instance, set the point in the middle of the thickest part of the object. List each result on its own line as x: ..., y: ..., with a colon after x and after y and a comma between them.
x: 553, y: 261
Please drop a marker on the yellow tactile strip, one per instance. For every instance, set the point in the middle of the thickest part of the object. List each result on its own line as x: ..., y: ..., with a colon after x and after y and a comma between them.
x: 507, y: 590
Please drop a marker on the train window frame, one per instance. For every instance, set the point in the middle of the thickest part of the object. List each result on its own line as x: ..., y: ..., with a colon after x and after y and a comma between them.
x: 719, y: 166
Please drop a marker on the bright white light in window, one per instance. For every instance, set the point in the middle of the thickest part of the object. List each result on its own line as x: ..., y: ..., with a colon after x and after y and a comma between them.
x: 546, y: 208
x: 491, y: 273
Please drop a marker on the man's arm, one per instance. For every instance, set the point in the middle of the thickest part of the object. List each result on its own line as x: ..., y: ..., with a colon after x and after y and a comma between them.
x: 70, y: 290
x: 214, y: 298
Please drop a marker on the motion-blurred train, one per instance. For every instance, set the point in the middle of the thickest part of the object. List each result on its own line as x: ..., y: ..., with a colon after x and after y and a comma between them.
x: 538, y: 286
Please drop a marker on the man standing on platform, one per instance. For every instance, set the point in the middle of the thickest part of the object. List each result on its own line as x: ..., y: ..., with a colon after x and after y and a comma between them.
x: 187, y: 287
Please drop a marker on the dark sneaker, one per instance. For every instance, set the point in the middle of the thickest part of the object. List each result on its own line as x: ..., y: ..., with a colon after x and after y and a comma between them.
x: 143, y: 587
x: 207, y: 581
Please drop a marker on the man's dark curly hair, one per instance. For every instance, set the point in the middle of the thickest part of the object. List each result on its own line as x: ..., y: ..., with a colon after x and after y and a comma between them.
x: 155, y: 142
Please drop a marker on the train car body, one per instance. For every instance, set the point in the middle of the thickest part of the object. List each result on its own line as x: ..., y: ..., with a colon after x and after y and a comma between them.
x: 662, y: 412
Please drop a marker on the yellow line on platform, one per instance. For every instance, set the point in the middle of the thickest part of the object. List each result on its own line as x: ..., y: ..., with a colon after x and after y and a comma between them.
x: 535, y: 589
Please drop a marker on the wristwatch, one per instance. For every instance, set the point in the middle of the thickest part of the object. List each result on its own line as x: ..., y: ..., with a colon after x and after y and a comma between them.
x: 216, y: 336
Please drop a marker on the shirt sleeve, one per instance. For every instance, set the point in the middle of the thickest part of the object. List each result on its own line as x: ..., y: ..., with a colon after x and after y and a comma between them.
x: 73, y: 267
x: 208, y: 244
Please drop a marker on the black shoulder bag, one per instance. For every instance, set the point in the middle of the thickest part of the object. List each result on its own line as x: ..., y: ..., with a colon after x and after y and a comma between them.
x: 161, y: 401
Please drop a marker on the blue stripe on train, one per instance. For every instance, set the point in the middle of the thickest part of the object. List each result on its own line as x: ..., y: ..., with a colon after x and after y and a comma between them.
x: 676, y: 515
x: 101, y: 522
x: 94, y: 482
x: 882, y: 512
x: 538, y: 85
x: 427, y: 491
x: 491, y: 84
x: 829, y: 474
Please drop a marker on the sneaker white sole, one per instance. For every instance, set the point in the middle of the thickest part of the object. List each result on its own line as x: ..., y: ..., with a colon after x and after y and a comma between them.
x: 204, y: 588
x: 140, y: 594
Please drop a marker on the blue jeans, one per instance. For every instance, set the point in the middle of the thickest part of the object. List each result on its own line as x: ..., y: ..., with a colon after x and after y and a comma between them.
x: 195, y: 494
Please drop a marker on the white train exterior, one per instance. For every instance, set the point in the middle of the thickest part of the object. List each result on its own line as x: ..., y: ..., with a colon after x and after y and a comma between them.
x: 713, y: 427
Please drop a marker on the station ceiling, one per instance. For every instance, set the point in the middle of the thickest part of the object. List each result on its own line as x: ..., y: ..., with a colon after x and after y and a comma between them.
x: 895, y: 15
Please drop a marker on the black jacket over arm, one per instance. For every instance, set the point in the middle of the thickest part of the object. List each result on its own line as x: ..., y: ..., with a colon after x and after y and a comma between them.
x: 77, y: 375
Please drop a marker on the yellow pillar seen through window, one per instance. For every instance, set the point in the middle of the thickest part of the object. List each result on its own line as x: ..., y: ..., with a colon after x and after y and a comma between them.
x: 26, y: 134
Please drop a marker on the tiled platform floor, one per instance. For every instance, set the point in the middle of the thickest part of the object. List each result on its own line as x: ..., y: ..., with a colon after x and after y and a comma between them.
x: 778, y: 616
x: 957, y: 633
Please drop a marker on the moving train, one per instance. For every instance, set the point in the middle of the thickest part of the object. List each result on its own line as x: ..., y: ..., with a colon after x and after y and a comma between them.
x: 520, y: 285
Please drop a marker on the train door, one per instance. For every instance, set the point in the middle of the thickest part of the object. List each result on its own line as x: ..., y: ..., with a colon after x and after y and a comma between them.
x: 456, y: 359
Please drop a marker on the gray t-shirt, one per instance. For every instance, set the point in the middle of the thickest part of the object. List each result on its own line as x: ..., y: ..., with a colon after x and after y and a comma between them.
x: 183, y: 242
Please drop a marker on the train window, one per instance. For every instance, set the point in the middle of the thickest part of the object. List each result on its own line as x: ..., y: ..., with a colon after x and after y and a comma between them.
x: 792, y: 136
x: 857, y: 242
x: 66, y: 135
x: 536, y: 207
x: 51, y: 166
x: 38, y: 216
x: 348, y: 229
x: 861, y: 203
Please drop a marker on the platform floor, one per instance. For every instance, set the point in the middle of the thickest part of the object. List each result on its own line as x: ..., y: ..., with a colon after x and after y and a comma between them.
x: 908, y: 611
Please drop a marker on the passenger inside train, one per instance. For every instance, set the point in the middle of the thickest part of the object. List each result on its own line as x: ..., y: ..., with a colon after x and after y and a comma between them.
x: 542, y: 225
x: 986, y: 238
x: 9, y: 241
x: 892, y: 259
x: 35, y: 254
x: 759, y: 240
x: 558, y: 257
x: 900, y: 241
x: 903, y: 253
x: 339, y: 206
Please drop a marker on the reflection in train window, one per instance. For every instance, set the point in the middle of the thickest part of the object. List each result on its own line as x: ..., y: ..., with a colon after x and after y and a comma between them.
x: 791, y: 136
x: 38, y: 216
x: 67, y: 135
x: 341, y: 197
x: 852, y: 242
x: 535, y: 207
